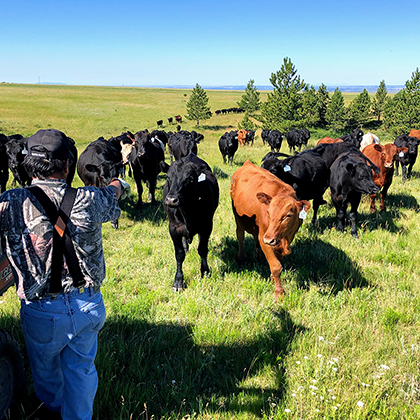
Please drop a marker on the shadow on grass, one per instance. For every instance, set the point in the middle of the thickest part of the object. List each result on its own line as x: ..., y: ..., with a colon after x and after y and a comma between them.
x: 158, y: 370
x: 315, y: 261
x: 217, y: 127
x: 311, y: 261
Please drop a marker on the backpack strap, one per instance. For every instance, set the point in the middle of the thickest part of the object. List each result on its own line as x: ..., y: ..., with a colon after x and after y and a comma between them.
x: 62, y: 243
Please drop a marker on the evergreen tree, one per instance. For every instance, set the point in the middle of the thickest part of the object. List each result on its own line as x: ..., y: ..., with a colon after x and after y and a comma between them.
x: 402, y: 112
x: 197, y: 108
x: 323, y: 102
x: 336, y: 112
x: 378, y: 102
x: 283, y: 108
x: 310, y: 115
x: 250, y: 100
x: 359, y: 110
x: 247, y: 123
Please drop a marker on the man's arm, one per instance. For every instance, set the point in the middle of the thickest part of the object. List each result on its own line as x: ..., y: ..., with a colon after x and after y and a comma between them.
x: 116, y: 186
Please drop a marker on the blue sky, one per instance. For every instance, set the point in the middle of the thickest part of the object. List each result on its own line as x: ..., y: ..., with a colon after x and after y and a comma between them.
x: 183, y: 42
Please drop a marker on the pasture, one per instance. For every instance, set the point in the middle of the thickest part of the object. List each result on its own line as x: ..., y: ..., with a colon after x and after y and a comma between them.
x: 344, y: 343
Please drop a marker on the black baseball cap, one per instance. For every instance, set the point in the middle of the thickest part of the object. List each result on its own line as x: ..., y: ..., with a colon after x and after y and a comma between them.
x: 49, y: 144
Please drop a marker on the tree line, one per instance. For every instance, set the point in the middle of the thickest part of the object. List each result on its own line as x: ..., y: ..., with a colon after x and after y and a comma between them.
x: 295, y: 104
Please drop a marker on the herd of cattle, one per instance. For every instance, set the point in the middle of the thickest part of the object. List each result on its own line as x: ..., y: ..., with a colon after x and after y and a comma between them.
x: 269, y: 202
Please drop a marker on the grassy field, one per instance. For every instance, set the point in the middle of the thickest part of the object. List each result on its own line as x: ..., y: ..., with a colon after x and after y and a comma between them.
x: 344, y: 343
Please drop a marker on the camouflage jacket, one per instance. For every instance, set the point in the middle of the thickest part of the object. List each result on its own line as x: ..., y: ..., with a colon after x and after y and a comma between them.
x: 26, y: 235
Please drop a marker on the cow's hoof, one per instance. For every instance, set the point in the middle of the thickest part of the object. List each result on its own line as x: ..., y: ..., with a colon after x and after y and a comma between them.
x: 177, y: 287
x: 114, y: 224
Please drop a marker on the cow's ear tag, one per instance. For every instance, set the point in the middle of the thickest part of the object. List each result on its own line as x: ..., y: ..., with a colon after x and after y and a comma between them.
x: 287, y: 168
x: 24, y: 151
x: 302, y: 214
x: 202, y: 177
x: 401, y: 154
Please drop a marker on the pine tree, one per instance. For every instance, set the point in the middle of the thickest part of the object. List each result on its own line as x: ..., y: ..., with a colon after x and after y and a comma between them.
x: 310, y: 115
x: 336, y: 112
x: 250, y: 100
x: 359, y: 110
x: 247, y: 123
x: 378, y: 102
x: 323, y: 102
x: 283, y: 108
x: 197, y: 108
x: 402, y: 112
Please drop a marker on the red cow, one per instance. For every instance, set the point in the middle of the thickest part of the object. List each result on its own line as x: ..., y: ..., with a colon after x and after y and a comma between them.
x: 383, y: 156
x: 329, y: 140
x: 268, y: 209
x: 415, y: 133
x: 178, y: 118
x: 242, y: 137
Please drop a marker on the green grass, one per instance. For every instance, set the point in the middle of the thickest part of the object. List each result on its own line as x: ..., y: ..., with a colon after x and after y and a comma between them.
x: 223, y: 348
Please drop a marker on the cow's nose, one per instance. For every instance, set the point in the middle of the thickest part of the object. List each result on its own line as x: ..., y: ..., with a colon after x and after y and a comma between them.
x: 270, y: 241
x: 171, y: 201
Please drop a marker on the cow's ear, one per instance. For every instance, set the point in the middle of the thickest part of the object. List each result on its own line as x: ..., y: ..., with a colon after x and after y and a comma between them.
x: 264, y: 198
x: 377, y: 147
x: 303, y: 205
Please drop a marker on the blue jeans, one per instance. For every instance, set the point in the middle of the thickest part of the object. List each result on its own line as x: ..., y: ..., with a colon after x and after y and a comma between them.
x: 61, y: 337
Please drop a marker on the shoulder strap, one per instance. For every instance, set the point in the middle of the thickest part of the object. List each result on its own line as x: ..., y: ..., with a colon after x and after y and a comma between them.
x: 62, y: 243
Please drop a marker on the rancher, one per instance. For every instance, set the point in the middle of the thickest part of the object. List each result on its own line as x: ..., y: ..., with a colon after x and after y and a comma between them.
x: 61, y: 303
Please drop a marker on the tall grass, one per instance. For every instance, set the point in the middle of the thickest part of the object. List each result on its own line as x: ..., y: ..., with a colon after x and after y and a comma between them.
x: 344, y: 343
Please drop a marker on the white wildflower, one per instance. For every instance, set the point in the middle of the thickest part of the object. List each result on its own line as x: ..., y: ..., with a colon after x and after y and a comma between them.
x: 319, y: 355
x: 320, y: 338
x: 312, y: 387
x: 385, y: 367
x: 287, y: 410
x: 360, y: 404
x: 335, y: 359
x: 297, y: 362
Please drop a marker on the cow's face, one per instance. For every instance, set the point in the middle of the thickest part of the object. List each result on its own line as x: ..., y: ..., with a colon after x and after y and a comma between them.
x: 142, y: 142
x: 361, y: 178
x: 182, y: 180
x: 283, y: 218
x: 126, y: 151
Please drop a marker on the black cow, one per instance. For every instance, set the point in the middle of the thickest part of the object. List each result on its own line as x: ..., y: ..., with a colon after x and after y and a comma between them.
x: 306, y: 172
x: 350, y: 178
x: 228, y: 145
x: 159, y: 123
x: 355, y: 137
x: 160, y: 135
x: 249, y: 138
x: 99, y: 163
x: 190, y: 198
x: 178, y: 118
x: 170, y: 120
x: 297, y: 138
x: 408, y: 159
x: 274, y: 140
x: 4, y: 163
x: 181, y: 144
x: 16, y: 150
x: 264, y: 134
x: 147, y: 160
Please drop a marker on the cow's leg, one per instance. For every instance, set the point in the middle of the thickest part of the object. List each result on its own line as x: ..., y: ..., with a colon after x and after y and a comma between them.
x: 397, y: 165
x: 372, y: 203
x: 240, y: 236
x: 180, y: 257
x: 203, y: 250
x: 384, y: 194
x: 275, y: 269
x: 224, y: 159
x: 151, y: 184
x: 354, y: 204
x: 317, y: 202
x: 137, y: 179
x: 340, y: 209
x: 410, y: 167
x: 404, y: 171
